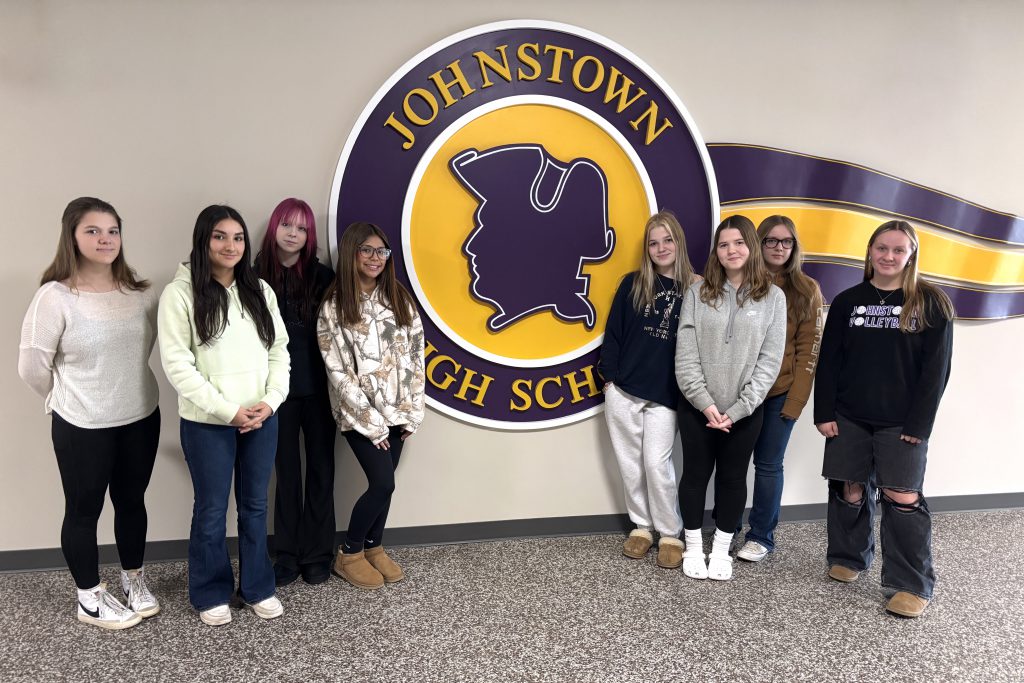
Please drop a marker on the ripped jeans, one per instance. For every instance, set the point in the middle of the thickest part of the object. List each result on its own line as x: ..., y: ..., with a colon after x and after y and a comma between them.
x: 876, y: 458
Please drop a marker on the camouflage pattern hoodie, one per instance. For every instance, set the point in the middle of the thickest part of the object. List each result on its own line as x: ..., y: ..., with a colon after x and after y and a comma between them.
x: 375, y: 371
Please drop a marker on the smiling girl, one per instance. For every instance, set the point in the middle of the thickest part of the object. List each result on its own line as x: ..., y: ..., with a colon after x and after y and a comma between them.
x: 786, y: 399
x: 371, y: 339
x: 85, y: 347
x: 732, y: 333
x: 885, y: 361
x: 304, y: 524
x: 640, y: 392
x: 223, y: 347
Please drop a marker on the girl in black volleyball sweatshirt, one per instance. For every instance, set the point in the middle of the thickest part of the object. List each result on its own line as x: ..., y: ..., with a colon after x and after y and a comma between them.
x: 884, y: 363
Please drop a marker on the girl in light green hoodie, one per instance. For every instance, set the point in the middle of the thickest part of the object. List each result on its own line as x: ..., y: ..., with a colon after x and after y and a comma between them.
x: 223, y: 346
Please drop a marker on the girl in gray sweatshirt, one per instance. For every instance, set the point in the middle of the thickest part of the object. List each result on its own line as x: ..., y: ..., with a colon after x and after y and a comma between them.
x: 729, y: 347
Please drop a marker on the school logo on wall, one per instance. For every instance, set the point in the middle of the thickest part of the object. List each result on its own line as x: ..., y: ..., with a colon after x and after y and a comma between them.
x: 513, y: 167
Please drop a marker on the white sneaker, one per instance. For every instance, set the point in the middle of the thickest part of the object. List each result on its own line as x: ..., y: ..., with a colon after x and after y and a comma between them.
x: 137, y: 595
x: 752, y: 551
x: 100, y: 608
x: 719, y: 567
x: 216, y: 616
x: 271, y: 608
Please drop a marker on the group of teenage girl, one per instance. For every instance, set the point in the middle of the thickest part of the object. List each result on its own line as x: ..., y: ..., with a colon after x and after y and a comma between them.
x: 728, y: 361
x: 264, y: 355
x: 260, y: 357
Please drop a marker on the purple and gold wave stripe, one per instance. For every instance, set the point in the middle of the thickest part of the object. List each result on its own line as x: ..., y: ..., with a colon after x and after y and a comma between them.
x: 972, y: 252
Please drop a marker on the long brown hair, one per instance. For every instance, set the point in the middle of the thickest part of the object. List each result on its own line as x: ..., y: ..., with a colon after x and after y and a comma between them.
x: 344, y: 290
x: 65, y: 263
x: 800, y: 289
x: 757, y: 282
x: 917, y: 291
x: 643, y: 290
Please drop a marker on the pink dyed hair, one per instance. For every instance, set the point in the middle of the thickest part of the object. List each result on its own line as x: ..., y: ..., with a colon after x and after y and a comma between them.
x: 295, y: 210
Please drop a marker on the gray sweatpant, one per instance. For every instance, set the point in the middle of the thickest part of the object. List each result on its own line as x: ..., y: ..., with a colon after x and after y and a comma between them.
x: 642, y: 434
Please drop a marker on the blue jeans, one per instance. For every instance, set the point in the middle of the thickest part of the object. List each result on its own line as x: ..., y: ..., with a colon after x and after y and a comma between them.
x: 769, y: 452
x: 215, y: 454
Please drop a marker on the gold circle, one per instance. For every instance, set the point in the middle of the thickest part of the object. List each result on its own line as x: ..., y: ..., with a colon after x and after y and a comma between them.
x: 442, y: 220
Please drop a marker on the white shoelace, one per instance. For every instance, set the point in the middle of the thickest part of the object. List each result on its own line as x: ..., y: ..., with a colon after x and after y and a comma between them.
x: 138, y: 590
x: 105, y: 599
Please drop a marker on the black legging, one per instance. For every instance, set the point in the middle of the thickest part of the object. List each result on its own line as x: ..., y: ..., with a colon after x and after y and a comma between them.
x: 706, y: 449
x: 90, y: 460
x: 304, y: 522
x: 370, y: 513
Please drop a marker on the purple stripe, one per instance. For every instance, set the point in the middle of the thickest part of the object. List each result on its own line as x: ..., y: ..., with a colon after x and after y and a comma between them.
x: 969, y: 303
x: 746, y: 173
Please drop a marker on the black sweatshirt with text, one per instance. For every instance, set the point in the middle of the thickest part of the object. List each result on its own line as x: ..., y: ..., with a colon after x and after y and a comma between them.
x: 871, y: 372
x: 638, y: 352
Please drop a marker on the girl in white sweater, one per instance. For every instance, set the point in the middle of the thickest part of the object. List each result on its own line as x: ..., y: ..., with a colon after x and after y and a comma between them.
x: 85, y: 347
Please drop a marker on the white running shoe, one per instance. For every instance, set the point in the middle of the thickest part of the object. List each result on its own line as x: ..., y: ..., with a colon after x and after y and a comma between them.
x: 137, y: 595
x: 100, y: 608
x: 271, y: 608
x: 216, y: 616
x: 752, y: 551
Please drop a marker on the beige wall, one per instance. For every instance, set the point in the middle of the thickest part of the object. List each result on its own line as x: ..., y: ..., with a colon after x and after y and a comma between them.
x: 163, y: 108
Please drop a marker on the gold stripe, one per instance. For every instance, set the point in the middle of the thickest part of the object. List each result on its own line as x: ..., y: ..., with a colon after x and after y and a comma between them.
x: 842, y: 233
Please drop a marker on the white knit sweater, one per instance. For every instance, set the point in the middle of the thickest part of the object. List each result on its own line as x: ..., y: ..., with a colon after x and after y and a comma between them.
x: 88, y: 354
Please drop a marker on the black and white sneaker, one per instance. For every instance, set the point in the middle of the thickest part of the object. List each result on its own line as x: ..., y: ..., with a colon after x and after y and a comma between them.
x: 137, y: 595
x: 100, y: 608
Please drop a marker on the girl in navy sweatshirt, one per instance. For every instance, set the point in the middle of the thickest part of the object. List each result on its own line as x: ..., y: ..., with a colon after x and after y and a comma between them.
x: 640, y: 391
x: 885, y: 360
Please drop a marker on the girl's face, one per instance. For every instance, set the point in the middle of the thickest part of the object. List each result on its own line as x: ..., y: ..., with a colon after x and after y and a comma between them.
x: 775, y: 258
x: 662, y: 249
x: 98, y: 238
x: 370, y: 264
x: 227, y: 245
x: 890, y: 252
x: 732, y: 250
x: 291, y: 236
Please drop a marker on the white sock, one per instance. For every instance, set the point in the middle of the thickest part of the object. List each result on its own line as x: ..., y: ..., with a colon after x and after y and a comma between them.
x: 720, y: 543
x: 88, y: 596
x: 694, y: 540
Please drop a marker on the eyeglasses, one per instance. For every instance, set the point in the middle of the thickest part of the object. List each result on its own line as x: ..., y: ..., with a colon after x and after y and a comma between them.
x: 772, y: 242
x: 382, y: 252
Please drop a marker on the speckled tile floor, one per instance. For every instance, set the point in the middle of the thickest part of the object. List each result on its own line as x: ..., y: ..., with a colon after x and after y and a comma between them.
x: 560, y: 609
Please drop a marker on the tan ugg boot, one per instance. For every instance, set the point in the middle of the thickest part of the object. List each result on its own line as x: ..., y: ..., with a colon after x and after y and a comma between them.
x: 638, y: 543
x: 356, y: 570
x: 906, y: 604
x: 388, y: 568
x: 670, y: 552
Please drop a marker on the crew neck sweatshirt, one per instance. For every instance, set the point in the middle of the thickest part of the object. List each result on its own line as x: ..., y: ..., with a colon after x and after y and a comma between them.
x: 871, y: 372
x: 88, y: 354
x: 638, y: 351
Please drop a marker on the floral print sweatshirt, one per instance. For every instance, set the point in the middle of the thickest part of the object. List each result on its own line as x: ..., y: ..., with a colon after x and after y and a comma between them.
x: 375, y: 369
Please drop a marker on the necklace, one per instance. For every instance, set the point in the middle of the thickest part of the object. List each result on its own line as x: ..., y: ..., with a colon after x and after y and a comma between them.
x: 881, y: 299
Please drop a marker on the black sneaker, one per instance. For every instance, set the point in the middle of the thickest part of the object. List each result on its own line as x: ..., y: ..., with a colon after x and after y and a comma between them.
x: 316, y: 573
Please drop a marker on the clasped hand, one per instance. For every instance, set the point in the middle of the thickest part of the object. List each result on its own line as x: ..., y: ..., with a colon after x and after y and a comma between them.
x: 248, y: 419
x: 717, y: 420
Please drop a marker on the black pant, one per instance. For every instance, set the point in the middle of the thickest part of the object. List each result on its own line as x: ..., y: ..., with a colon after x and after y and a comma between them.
x: 370, y: 513
x: 304, y: 524
x: 90, y: 460
x: 706, y: 449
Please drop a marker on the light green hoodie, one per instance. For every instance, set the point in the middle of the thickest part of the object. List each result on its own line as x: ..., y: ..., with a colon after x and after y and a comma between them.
x: 214, y: 380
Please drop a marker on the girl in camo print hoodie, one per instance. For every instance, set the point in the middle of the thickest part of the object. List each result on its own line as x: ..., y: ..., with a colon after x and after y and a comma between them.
x: 371, y: 339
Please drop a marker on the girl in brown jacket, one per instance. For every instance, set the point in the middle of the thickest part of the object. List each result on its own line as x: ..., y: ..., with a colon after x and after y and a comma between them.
x: 786, y: 399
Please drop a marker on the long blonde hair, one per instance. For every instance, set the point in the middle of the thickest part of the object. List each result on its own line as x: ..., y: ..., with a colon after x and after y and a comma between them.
x: 757, y: 282
x: 643, y: 291
x: 916, y: 290
x: 800, y: 289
